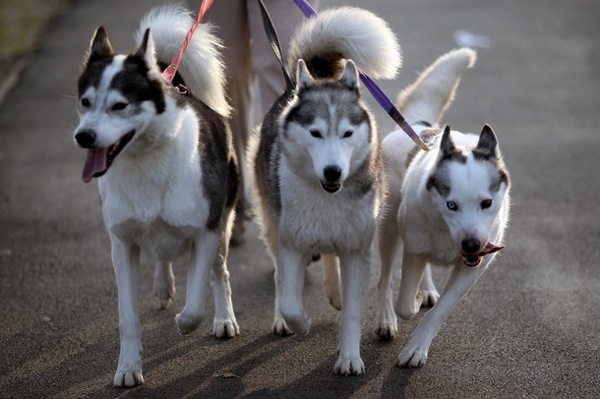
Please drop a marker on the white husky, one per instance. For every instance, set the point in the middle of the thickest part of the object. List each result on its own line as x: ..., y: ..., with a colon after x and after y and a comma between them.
x: 449, y: 206
x: 318, y: 170
x: 166, y: 170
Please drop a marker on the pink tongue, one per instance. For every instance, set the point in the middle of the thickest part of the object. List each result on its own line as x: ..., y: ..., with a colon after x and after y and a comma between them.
x: 490, y: 249
x: 95, y: 163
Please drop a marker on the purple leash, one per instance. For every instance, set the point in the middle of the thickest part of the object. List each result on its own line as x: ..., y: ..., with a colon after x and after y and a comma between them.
x: 375, y: 90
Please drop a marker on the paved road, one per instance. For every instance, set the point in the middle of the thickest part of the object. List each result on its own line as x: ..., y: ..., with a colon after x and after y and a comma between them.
x: 528, y: 329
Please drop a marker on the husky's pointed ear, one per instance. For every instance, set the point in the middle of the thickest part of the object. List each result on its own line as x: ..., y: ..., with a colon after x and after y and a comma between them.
x: 146, y: 49
x: 303, y: 77
x: 349, y: 76
x: 447, y: 145
x: 486, y: 146
x: 100, y: 45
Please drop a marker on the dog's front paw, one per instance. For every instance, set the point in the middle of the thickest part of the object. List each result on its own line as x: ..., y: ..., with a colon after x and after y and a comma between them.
x: 352, y: 365
x: 225, y: 328
x: 280, y: 328
x: 187, y: 323
x: 414, y: 354
x: 129, y: 371
x: 128, y: 377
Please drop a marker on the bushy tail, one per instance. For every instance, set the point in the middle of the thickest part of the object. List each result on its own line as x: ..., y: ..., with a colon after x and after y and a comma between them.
x: 201, y: 68
x: 335, y: 35
x: 432, y: 93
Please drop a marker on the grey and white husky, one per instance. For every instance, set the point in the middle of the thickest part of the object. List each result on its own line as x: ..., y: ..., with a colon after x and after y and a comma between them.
x: 318, y: 170
x: 166, y: 170
x: 449, y: 206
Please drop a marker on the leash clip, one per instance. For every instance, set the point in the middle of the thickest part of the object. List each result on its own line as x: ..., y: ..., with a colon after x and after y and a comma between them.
x: 181, y: 89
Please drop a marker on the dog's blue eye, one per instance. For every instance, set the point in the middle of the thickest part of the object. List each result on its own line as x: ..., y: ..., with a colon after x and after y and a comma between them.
x: 316, y: 134
x: 486, y: 203
x: 85, y: 102
x: 452, y: 205
x: 348, y: 134
x: 118, y: 106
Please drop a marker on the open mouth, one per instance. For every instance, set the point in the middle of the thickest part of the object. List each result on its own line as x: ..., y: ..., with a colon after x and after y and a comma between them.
x: 99, y: 159
x: 331, y: 187
x: 473, y: 260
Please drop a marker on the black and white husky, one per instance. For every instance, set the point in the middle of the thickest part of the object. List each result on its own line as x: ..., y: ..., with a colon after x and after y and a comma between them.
x: 167, y: 172
x: 449, y: 206
x: 318, y: 170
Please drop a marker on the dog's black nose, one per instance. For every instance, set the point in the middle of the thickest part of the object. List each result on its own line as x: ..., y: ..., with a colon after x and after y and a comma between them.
x: 332, y: 173
x: 470, y: 246
x: 85, y: 138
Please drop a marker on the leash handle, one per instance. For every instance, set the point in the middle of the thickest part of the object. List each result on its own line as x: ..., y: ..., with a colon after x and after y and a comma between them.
x: 274, y: 42
x: 375, y: 90
x: 169, y: 72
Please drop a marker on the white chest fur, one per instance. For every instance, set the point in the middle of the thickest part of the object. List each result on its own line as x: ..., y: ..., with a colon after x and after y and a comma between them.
x: 319, y: 222
x: 155, y: 201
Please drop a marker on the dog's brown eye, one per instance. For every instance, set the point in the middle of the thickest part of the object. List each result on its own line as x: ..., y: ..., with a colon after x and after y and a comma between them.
x: 348, y: 133
x: 118, y: 106
x: 316, y: 134
x: 486, y: 203
x: 85, y: 102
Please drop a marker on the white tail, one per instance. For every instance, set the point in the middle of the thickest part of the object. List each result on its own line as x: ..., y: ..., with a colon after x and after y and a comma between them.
x: 201, y: 68
x: 348, y: 33
x: 432, y: 93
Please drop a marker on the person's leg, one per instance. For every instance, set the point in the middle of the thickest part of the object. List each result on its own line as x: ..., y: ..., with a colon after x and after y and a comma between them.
x: 286, y: 18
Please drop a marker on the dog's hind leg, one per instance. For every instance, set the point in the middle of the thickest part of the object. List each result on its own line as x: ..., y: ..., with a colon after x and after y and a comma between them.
x: 204, y: 252
x: 332, y: 280
x: 224, y: 322
x: 389, y: 240
x: 126, y: 262
x: 409, y: 298
x: 291, y: 268
x: 164, y: 283
x: 428, y: 290
x: 270, y: 236
x: 355, y: 269
x: 280, y: 327
x: 461, y: 280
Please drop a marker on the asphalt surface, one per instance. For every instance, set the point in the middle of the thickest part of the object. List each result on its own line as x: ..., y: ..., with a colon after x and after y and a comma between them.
x: 529, y: 328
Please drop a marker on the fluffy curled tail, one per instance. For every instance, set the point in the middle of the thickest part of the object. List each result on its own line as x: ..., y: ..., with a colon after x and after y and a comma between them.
x: 201, y: 68
x: 339, y: 34
x: 432, y: 93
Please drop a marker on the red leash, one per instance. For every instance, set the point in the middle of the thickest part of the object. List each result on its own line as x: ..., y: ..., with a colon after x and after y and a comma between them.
x: 169, y: 72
